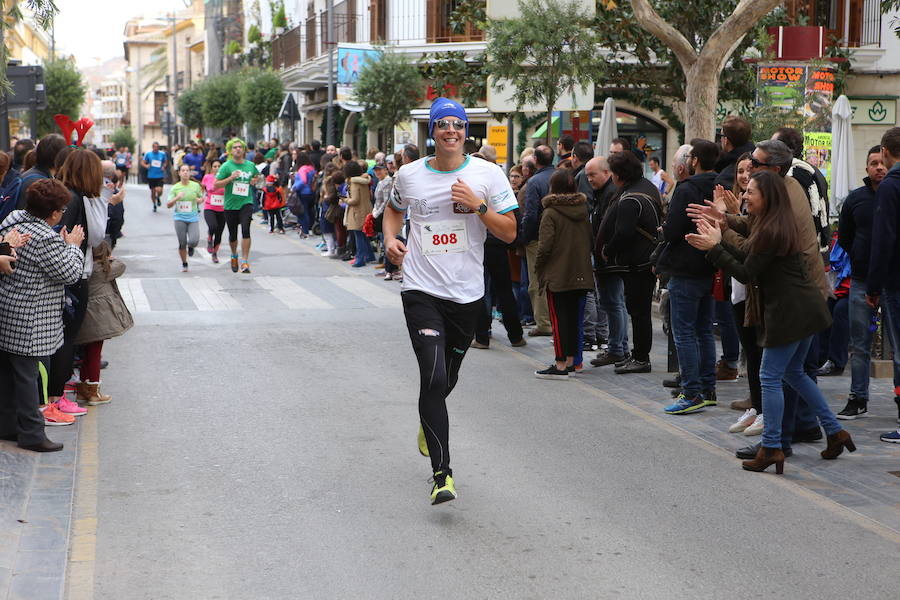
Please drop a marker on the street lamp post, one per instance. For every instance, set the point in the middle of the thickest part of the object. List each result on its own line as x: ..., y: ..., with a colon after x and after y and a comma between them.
x: 172, y: 120
x: 329, y: 131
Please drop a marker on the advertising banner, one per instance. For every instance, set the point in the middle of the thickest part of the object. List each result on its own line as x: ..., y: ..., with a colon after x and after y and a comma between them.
x: 788, y: 86
x: 817, y: 148
x: 781, y: 83
x: 350, y: 60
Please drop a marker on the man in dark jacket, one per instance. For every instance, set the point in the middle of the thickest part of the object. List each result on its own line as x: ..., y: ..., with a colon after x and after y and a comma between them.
x: 624, y: 242
x: 855, y: 237
x: 596, y: 173
x: 736, y: 134
x: 564, y: 146
x: 45, y: 157
x: 690, y: 285
x: 315, y: 155
x: 581, y: 154
x: 883, y: 282
x: 538, y: 186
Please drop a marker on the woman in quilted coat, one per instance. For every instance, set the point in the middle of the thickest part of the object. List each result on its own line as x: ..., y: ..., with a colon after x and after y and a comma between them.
x: 31, y: 308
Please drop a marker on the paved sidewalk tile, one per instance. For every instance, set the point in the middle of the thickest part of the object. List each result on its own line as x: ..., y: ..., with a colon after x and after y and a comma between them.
x: 861, y: 481
x: 35, y: 514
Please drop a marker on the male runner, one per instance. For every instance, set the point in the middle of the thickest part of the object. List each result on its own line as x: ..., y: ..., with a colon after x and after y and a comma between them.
x: 156, y: 164
x: 453, y: 200
x: 236, y: 176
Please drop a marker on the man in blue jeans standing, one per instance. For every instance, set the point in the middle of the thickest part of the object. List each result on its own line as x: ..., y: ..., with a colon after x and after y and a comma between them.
x: 855, y: 237
x: 883, y: 283
x: 690, y: 285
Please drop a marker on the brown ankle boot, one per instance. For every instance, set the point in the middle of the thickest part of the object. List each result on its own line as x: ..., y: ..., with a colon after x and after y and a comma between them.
x: 82, y: 392
x: 764, y: 458
x: 837, y: 443
x: 89, y: 393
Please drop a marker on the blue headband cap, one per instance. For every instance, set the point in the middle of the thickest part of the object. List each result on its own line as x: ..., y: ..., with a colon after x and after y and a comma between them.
x: 444, y: 107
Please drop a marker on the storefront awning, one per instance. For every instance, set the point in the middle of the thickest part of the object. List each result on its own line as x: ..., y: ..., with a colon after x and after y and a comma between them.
x: 541, y: 131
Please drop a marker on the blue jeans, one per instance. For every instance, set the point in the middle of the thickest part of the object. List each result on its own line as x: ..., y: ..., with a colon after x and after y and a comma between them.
x: 728, y: 333
x: 611, y: 298
x: 363, y: 248
x: 890, y: 302
x: 692, y: 305
x: 521, y: 291
x: 834, y: 341
x: 306, y: 219
x: 784, y: 364
x: 860, y: 340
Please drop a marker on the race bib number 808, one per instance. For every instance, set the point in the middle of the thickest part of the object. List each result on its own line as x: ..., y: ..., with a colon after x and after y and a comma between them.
x: 444, y: 237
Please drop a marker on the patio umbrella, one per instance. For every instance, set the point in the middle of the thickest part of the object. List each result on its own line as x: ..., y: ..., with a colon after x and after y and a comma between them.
x: 608, y: 130
x: 843, y: 167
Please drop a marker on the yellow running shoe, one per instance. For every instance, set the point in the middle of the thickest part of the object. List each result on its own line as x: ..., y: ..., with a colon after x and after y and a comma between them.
x: 423, y: 445
x: 443, y: 490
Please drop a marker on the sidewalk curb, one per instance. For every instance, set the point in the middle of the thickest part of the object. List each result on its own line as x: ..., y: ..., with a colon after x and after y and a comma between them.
x: 34, y: 544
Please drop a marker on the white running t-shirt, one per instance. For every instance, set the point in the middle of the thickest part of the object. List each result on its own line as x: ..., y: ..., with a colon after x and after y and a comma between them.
x: 446, y: 240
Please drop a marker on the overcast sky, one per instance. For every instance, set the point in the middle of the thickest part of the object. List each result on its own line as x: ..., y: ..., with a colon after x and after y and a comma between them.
x: 92, y: 30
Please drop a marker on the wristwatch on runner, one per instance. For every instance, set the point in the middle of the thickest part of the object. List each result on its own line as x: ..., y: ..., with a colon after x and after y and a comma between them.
x: 482, y: 209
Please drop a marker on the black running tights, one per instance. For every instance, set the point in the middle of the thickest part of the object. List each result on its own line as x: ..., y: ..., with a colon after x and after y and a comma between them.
x: 440, y: 331
x: 215, y: 222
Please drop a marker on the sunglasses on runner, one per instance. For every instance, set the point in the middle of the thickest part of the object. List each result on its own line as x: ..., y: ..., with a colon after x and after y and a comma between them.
x: 445, y: 124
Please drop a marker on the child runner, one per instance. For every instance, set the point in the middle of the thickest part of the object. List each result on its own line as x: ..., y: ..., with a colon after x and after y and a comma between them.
x: 214, y: 211
x: 273, y: 202
x: 185, y: 196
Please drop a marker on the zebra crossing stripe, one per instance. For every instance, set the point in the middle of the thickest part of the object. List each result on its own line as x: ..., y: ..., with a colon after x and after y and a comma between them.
x: 133, y: 293
x: 291, y: 294
x: 368, y: 291
x: 206, y: 293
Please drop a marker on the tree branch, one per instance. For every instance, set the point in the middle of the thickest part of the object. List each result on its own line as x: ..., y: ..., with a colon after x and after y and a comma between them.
x: 747, y: 14
x: 650, y: 20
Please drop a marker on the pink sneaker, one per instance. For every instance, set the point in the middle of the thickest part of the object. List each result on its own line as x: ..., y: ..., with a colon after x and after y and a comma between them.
x: 70, y: 408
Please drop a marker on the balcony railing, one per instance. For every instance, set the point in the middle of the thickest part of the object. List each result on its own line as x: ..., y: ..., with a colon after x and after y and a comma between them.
x: 311, y: 45
x: 438, y: 24
x: 310, y: 39
x: 860, y: 26
x: 286, y: 49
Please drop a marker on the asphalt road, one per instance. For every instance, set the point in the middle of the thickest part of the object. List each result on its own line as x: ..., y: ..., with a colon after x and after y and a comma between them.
x: 255, y: 449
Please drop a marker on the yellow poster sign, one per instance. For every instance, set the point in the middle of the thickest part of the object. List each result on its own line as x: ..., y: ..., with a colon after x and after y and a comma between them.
x: 497, y: 138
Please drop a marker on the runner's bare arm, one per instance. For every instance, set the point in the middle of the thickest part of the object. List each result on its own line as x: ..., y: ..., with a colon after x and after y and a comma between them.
x: 393, y: 220
x: 220, y: 183
x: 503, y: 226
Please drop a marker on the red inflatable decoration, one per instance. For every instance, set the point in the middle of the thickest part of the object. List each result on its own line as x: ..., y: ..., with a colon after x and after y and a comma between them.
x: 67, y: 126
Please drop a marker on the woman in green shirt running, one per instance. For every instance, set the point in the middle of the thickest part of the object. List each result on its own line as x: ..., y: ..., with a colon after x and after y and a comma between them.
x: 186, y: 196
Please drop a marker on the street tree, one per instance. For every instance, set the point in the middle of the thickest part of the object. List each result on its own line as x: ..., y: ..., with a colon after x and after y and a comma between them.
x: 123, y: 137
x: 388, y: 88
x: 190, y: 106
x: 65, y: 92
x: 702, y: 65
x: 261, y: 95
x: 220, y: 101
x: 548, y: 51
